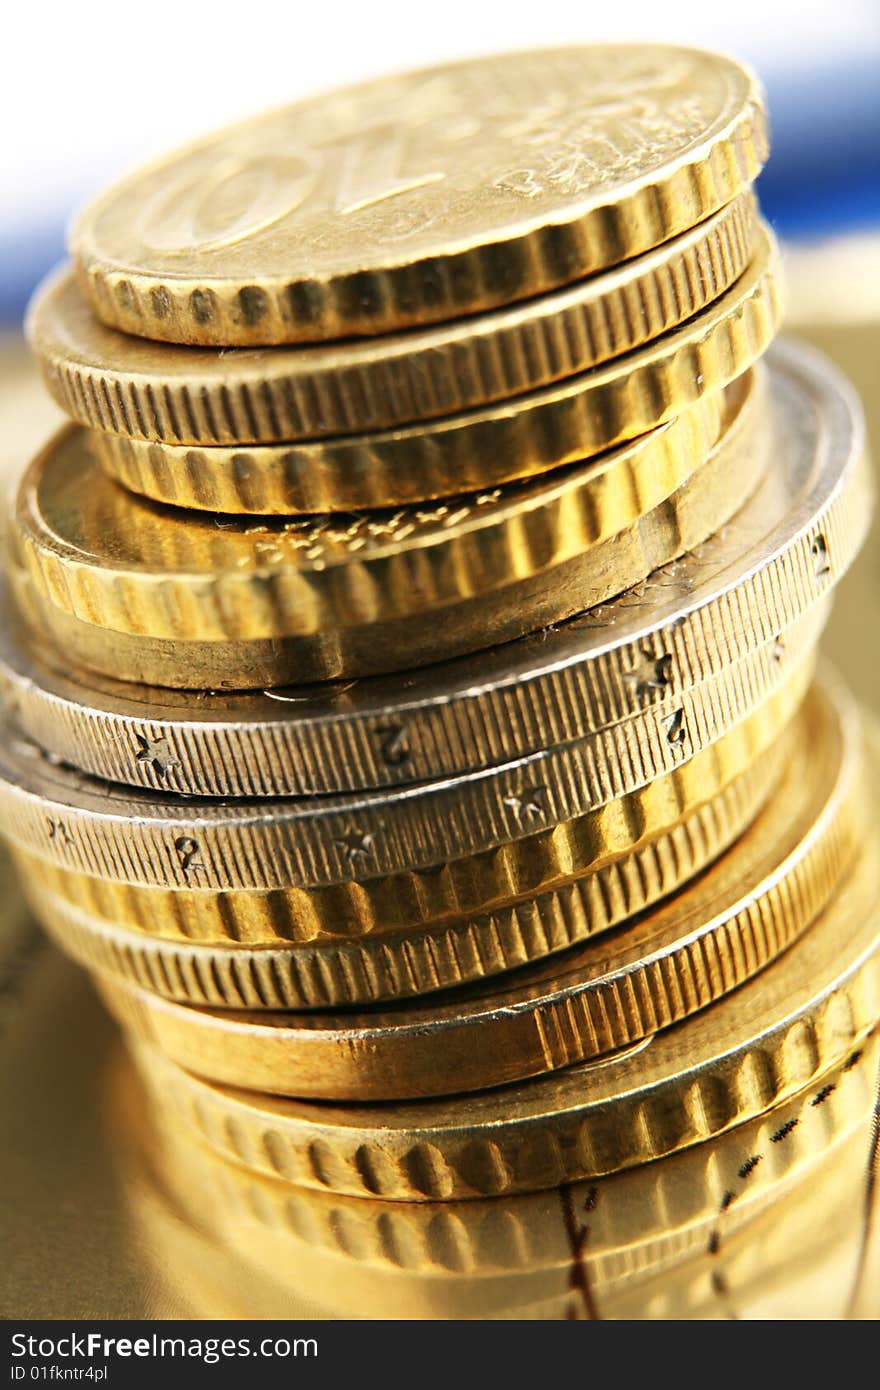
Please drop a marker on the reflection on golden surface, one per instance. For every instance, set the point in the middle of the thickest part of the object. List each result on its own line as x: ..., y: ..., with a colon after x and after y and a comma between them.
x: 766, y: 1221
x: 116, y: 1216
x: 70, y: 1248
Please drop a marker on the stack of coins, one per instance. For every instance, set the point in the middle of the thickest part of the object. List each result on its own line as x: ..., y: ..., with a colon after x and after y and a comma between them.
x: 409, y: 656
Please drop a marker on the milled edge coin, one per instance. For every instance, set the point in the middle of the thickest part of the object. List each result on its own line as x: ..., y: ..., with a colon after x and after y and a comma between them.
x: 801, y: 1016
x: 779, y: 556
x: 137, y: 394
x: 679, y: 957
x: 639, y: 1217
x: 582, y: 895
x: 362, y: 385
x: 422, y: 197
x: 104, y: 830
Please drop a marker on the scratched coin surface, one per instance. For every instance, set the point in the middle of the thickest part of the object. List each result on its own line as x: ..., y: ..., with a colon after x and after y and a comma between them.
x: 776, y: 560
x: 195, y: 601
x: 803, y: 1015
x: 580, y: 900
x: 367, y: 385
x: 422, y: 197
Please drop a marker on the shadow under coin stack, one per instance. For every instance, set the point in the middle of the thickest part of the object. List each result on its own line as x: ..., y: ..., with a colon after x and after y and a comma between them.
x: 409, y: 650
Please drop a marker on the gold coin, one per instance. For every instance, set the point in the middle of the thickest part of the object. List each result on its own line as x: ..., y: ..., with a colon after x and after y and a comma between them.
x: 676, y: 959
x: 193, y: 602
x: 367, y: 384
x: 663, y: 1228
x: 801, y: 1256
x: 506, y: 176
x: 519, y: 436
x: 278, y: 1229
x: 798, y: 1257
x: 360, y: 385
x: 591, y: 875
x: 803, y: 1015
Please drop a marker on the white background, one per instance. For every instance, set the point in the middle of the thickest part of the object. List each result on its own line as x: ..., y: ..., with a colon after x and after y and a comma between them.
x: 89, y: 89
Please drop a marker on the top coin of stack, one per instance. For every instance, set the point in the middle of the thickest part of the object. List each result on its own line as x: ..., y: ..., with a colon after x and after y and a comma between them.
x: 535, y: 283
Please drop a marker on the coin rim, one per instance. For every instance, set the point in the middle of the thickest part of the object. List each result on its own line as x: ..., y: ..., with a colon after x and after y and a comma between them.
x: 676, y: 1098
x: 551, y: 249
x: 361, y: 386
